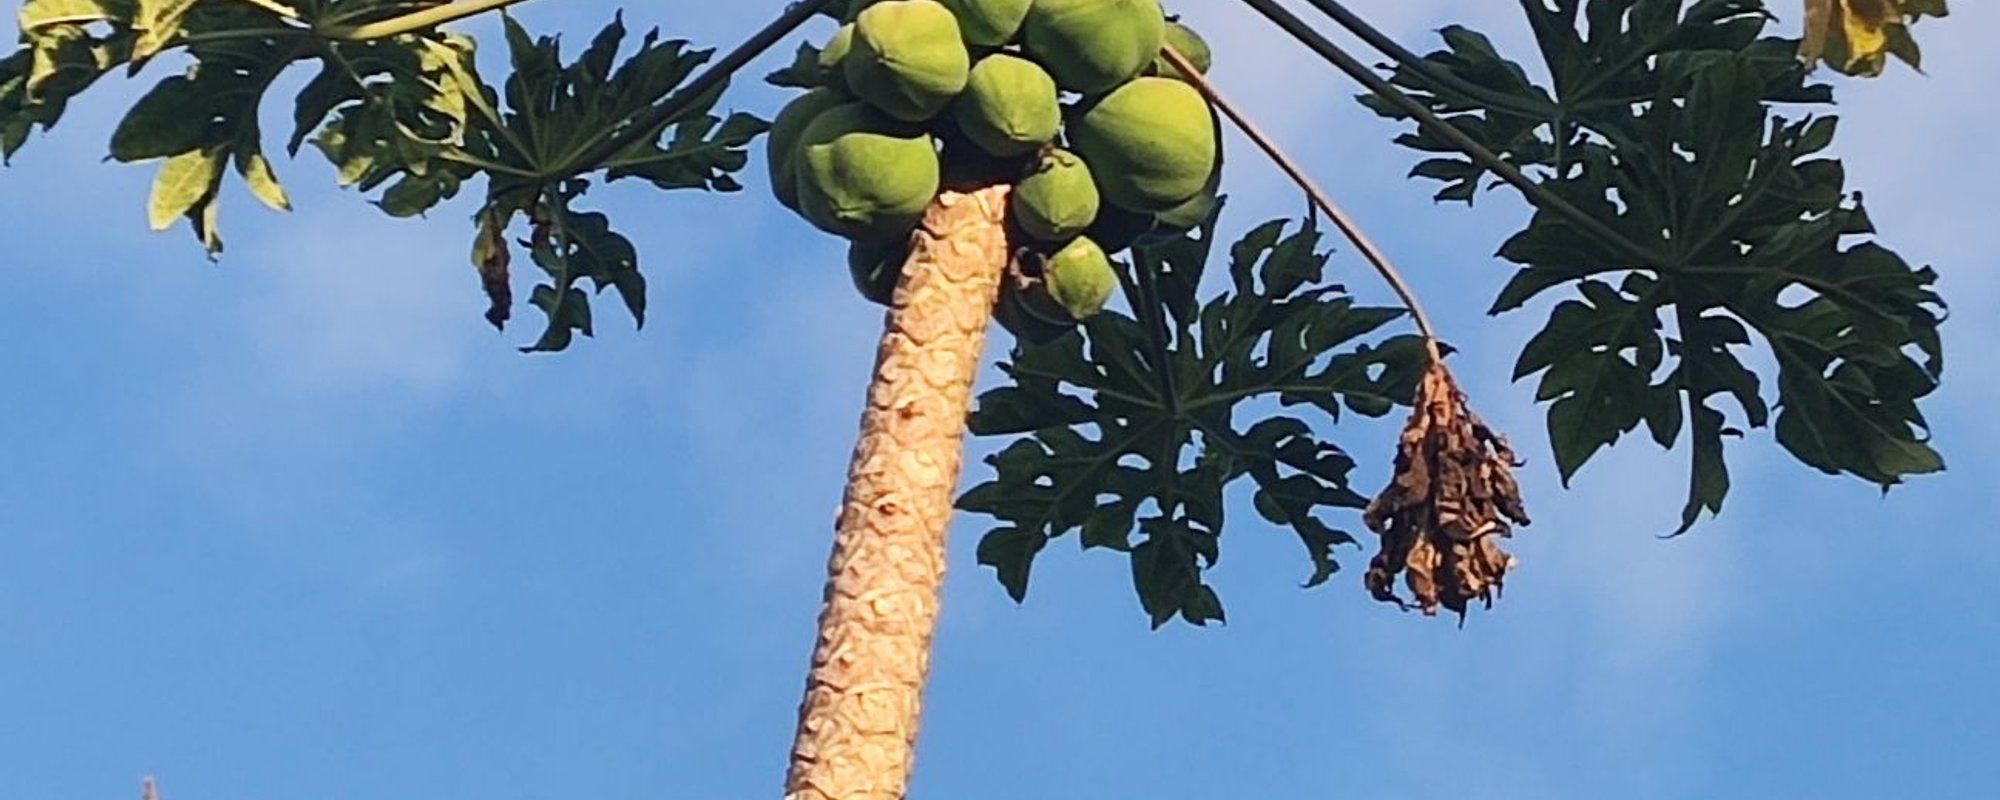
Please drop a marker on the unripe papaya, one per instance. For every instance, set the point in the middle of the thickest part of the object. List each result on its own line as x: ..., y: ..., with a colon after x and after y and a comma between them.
x: 876, y: 267
x: 863, y: 175
x: 989, y: 23
x: 1057, y: 199
x: 907, y: 58
x: 1092, y: 46
x: 1009, y: 107
x: 1080, y: 278
x: 1188, y: 43
x: 1186, y: 216
x: 831, y: 56
x: 1151, y: 142
x: 781, y: 144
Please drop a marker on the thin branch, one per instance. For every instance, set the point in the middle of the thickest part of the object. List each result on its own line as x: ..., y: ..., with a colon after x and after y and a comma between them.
x: 649, y: 126
x: 1537, y: 194
x: 415, y: 21
x: 1341, y: 219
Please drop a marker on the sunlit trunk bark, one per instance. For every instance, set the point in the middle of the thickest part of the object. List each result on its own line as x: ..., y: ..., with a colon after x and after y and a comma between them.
x: 858, y: 724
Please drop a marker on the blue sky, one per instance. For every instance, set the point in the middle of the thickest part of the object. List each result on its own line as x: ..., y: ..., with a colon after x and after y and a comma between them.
x: 299, y: 525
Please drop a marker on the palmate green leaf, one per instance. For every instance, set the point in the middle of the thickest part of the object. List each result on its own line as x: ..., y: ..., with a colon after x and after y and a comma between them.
x: 555, y: 112
x: 533, y: 137
x: 804, y: 72
x: 1616, y: 58
x: 1131, y: 428
x: 385, y: 109
x: 394, y: 113
x: 1729, y: 232
x: 205, y: 117
x: 1751, y: 233
x: 705, y: 153
x: 406, y: 115
x: 571, y: 246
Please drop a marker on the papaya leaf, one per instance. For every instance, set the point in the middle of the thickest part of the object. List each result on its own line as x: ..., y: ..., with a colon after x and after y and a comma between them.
x: 157, y: 22
x: 1130, y: 429
x: 1729, y: 231
x: 184, y: 184
x: 804, y: 72
x: 383, y: 109
x: 557, y: 112
x: 530, y: 135
x: 570, y: 246
x: 1619, y: 58
x: 260, y: 179
x: 66, y: 45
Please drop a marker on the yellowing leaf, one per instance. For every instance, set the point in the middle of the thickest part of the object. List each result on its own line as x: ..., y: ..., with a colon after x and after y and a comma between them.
x: 1858, y: 36
x: 157, y: 22
x: 182, y: 184
x: 38, y: 14
x: 262, y: 182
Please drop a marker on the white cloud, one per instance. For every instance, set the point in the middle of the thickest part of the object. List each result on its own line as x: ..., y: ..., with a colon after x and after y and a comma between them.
x: 345, y: 301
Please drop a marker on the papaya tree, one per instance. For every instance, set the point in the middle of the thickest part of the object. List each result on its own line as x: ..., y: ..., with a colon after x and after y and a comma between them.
x: 1057, y: 166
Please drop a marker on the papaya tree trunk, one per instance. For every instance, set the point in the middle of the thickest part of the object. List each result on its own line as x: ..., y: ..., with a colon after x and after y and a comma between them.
x: 858, y: 725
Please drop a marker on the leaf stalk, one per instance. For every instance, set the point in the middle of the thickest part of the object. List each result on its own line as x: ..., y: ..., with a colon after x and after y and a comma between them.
x: 1536, y: 193
x: 415, y: 21
x: 1320, y: 198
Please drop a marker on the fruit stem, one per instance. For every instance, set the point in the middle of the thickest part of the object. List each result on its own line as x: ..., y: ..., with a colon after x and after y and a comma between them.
x: 1341, y: 219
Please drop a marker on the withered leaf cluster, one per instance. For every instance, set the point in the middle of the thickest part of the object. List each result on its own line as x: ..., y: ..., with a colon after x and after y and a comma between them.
x: 1451, y: 502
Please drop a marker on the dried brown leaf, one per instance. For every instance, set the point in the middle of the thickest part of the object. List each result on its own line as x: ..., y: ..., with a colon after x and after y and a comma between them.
x: 1452, y: 500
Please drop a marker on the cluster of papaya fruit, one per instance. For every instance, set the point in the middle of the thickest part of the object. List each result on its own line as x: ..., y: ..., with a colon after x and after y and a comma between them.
x: 1070, y: 100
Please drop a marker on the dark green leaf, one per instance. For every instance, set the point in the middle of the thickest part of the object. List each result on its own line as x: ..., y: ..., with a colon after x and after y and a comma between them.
x: 1133, y: 415
x: 1729, y: 231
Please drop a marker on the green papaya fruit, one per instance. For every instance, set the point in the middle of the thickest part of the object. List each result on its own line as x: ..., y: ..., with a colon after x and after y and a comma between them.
x: 989, y: 23
x: 781, y: 144
x: 1080, y: 278
x: 1117, y: 229
x: 1092, y: 46
x: 1057, y: 199
x: 876, y: 267
x: 831, y: 56
x: 907, y: 58
x: 1009, y: 107
x: 1152, y: 143
x: 1188, y: 43
x: 863, y: 174
x: 1186, y: 216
